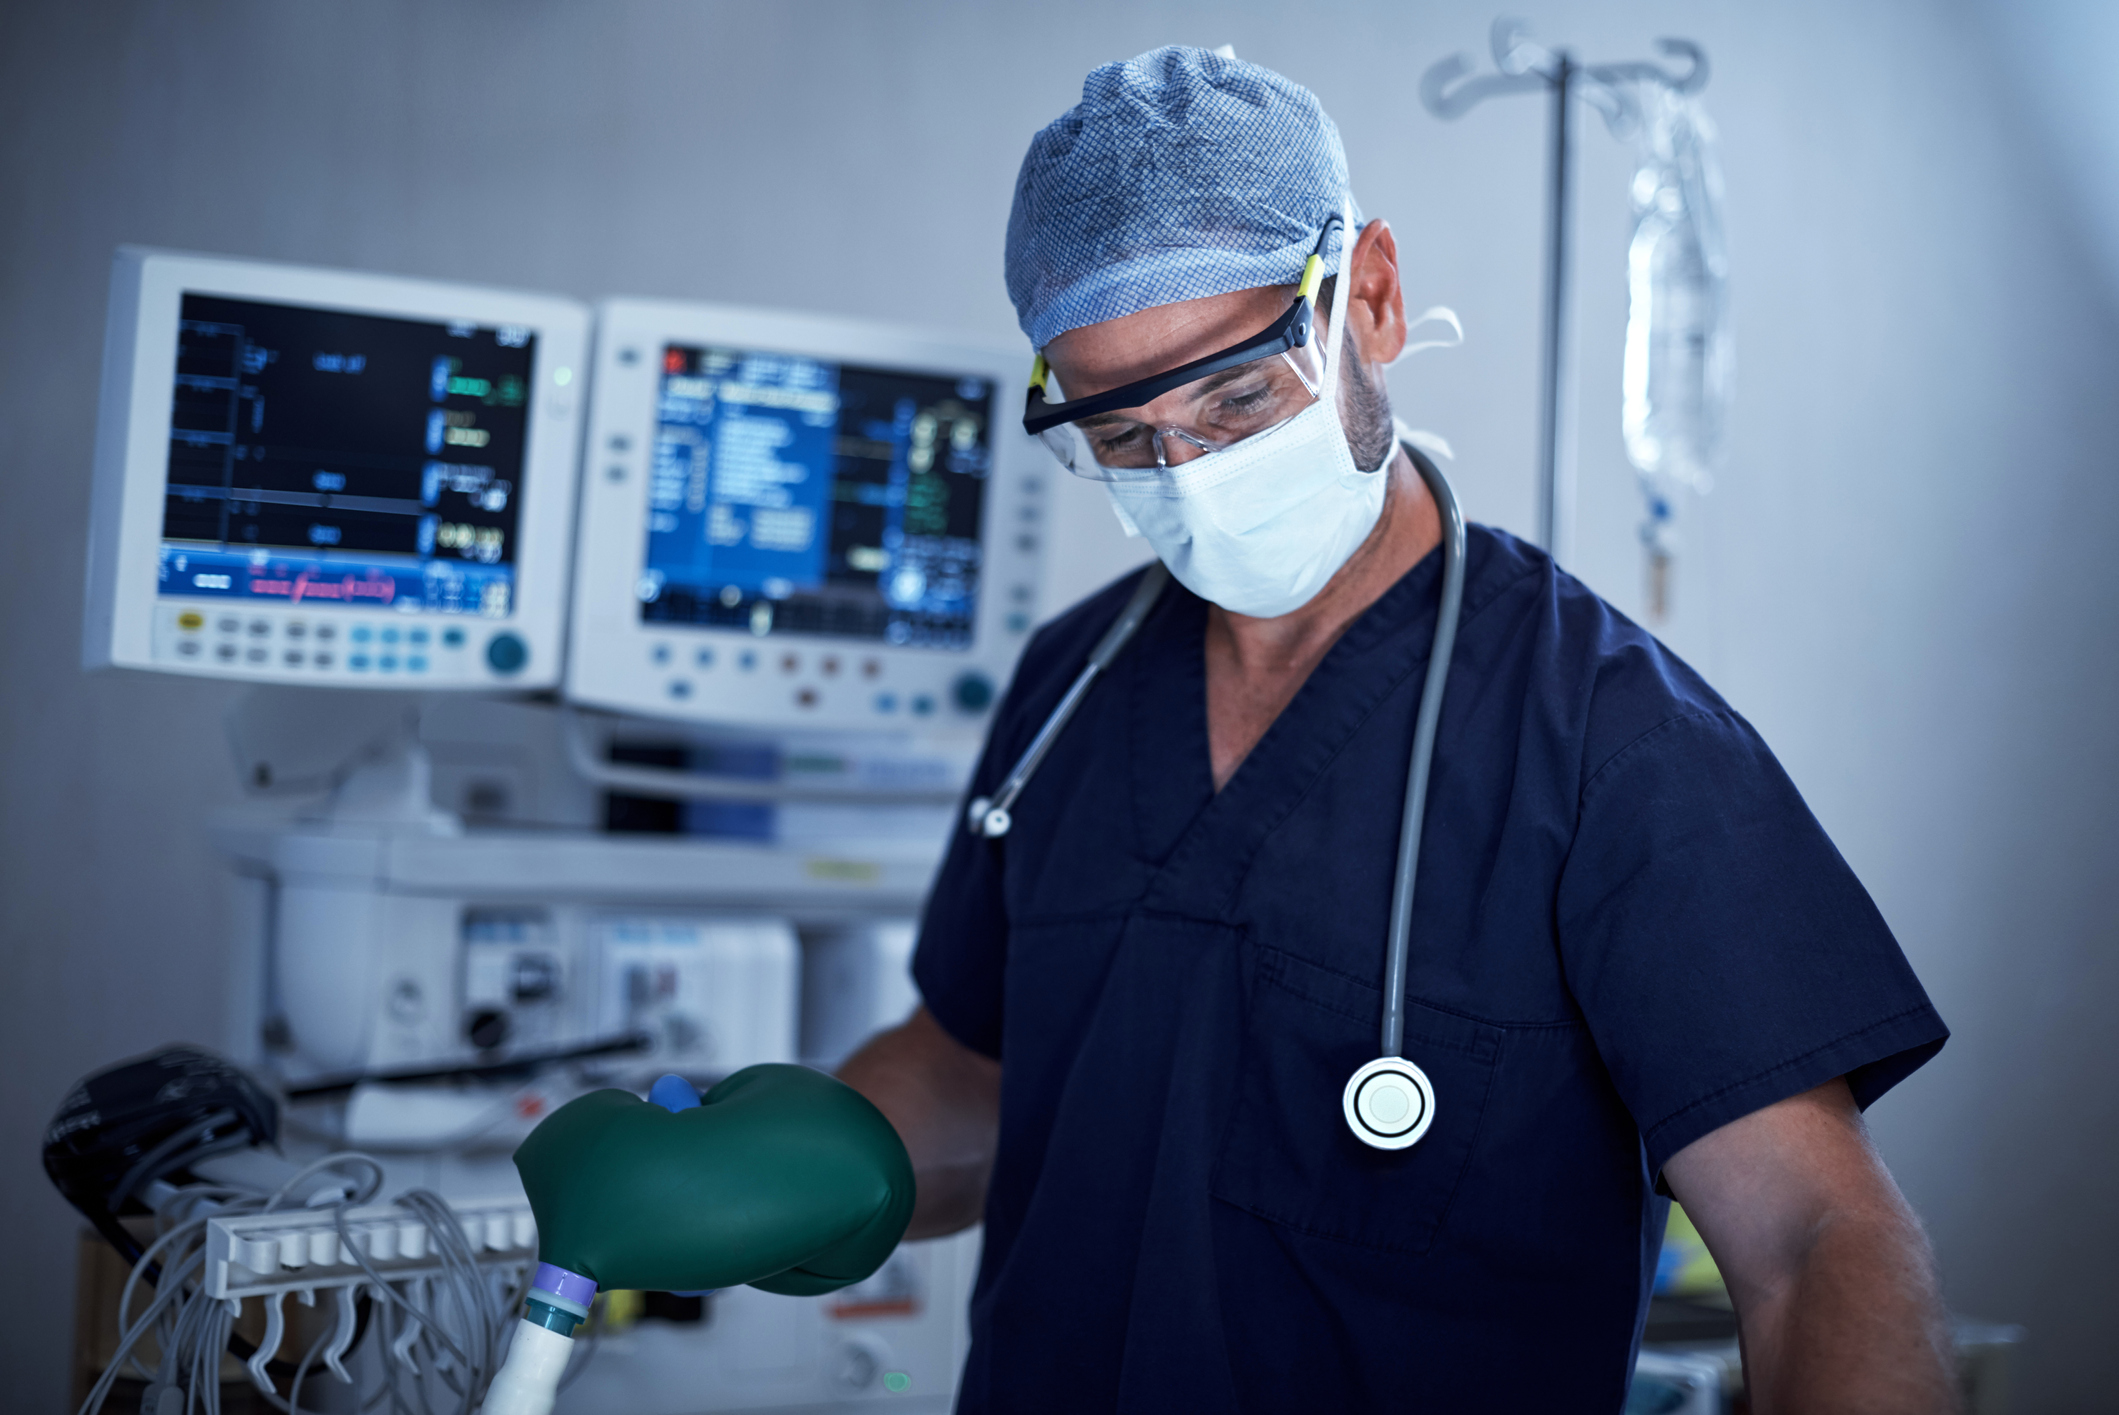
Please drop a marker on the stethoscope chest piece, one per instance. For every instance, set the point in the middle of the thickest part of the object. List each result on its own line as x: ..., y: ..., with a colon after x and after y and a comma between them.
x: 1389, y: 1103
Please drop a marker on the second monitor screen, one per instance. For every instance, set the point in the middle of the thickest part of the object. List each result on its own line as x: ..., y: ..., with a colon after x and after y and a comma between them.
x: 793, y: 495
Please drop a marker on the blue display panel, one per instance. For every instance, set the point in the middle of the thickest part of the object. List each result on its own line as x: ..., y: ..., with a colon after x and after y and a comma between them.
x: 794, y: 495
x: 323, y: 458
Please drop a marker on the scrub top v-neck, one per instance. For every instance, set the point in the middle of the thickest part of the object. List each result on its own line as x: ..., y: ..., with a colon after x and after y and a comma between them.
x: 1629, y: 930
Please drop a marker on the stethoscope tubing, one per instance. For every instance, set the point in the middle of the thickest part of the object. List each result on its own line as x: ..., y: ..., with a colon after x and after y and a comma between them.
x: 991, y: 817
x: 1425, y: 727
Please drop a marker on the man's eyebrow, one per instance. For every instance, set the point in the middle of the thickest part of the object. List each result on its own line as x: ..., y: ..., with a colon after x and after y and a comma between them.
x: 1216, y: 380
x: 1205, y: 385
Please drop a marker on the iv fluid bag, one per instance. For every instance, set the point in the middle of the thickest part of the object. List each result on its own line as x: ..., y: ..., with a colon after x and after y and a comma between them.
x: 1678, y: 355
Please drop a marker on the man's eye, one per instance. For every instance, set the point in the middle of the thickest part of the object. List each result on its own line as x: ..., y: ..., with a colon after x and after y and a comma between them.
x: 1236, y: 407
x: 1118, y: 439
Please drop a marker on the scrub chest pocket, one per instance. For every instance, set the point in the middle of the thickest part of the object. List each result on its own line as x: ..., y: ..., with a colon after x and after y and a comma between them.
x: 1287, y: 1154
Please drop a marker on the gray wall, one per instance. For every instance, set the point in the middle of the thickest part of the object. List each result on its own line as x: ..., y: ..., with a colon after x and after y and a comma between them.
x: 1903, y: 579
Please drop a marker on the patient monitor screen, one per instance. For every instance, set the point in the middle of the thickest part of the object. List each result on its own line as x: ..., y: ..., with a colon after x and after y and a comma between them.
x: 795, y: 495
x: 323, y: 458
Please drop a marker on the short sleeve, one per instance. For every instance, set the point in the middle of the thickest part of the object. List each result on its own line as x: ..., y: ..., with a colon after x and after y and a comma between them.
x: 1723, y: 952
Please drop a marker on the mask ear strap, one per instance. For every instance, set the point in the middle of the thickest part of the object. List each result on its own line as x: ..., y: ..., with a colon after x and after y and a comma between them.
x: 1340, y: 292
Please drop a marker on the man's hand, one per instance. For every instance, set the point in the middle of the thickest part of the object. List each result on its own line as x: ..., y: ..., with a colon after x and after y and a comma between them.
x: 945, y: 1101
x: 1831, y: 1275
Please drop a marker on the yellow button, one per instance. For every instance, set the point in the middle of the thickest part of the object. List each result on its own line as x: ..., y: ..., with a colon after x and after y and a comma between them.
x: 190, y: 620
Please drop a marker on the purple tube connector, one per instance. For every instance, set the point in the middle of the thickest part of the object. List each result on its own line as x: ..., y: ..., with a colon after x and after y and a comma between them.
x: 560, y: 1283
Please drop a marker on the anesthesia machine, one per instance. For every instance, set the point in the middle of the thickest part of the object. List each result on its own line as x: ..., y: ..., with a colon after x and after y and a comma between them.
x: 612, y: 676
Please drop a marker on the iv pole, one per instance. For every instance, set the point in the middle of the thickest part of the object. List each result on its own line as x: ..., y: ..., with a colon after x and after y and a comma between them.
x: 1526, y: 67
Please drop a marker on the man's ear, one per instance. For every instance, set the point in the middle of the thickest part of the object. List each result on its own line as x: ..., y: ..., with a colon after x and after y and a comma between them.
x: 1375, y: 308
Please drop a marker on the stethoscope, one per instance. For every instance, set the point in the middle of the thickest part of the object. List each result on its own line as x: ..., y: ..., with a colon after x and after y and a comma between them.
x: 1389, y: 1102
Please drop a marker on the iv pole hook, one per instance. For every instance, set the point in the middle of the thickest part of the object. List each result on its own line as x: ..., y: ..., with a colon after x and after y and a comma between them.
x: 1524, y: 66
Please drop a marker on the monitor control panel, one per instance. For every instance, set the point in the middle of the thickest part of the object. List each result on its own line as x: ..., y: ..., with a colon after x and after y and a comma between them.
x: 331, y: 649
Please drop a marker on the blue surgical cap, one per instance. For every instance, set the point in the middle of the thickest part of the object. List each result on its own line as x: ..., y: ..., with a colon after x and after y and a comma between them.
x: 1179, y: 175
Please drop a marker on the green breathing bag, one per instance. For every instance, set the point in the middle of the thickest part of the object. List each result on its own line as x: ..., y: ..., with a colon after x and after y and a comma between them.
x: 781, y: 1177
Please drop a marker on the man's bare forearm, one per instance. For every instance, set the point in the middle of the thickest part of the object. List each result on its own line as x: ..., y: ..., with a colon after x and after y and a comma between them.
x: 1859, y: 1327
x: 1833, y: 1281
x: 945, y: 1101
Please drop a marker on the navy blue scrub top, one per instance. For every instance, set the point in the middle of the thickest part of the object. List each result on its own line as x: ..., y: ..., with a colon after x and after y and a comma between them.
x: 1629, y: 931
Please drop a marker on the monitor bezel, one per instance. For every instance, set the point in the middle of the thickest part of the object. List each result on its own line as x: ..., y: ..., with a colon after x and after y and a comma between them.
x: 132, y: 457
x: 610, y: 639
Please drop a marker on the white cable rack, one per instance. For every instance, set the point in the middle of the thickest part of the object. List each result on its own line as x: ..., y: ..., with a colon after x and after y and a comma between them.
x: 265, y: 1255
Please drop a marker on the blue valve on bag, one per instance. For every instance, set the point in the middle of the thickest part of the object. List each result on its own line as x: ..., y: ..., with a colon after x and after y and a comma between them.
x: 674, y: 1094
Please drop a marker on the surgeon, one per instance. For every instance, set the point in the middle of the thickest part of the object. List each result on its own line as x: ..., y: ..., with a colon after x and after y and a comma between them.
x: 1637, y: 968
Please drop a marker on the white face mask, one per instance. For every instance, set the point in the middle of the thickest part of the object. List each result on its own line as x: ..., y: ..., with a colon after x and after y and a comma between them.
x: 1261, y: 526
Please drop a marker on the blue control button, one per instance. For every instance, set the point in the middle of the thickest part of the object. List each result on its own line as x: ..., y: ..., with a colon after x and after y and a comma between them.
x: 389, y: 636
x: 886, y: 702
x: 361, y: 634
x: 1018, y: 623
x: 680, y: 689
x: 418, y: 636
x: 922, y: 705
x: 507, y: 653
x: 452, y: 638
x: 660, y: 653
x: 705, y: 658
x: 746, y: 660
x: 358, y: 663
x: 974, y: 692
x: 416, y: 664
x: 387, y: 663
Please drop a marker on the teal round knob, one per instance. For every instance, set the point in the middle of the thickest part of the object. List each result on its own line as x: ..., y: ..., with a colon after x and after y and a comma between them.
x: 507, y: 653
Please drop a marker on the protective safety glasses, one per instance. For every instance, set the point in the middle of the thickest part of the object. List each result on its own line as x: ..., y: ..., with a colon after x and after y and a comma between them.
x: 1246, y: 389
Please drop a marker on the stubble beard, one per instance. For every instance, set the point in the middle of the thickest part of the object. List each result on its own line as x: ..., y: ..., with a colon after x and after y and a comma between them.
x: 1366, y: 408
